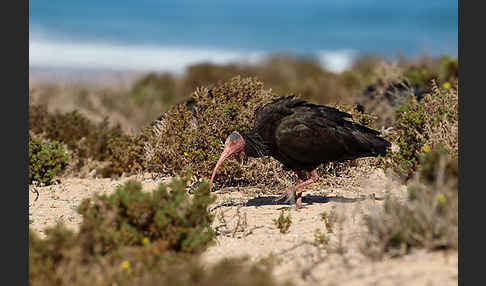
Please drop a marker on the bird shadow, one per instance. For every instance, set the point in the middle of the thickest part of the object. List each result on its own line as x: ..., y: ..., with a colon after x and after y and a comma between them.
x: 306, y: 200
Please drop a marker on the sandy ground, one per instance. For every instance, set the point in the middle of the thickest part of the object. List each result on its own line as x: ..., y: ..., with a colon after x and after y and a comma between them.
x: 245, y: 226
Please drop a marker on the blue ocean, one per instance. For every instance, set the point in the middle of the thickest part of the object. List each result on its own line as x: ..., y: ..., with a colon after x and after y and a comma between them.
x: 170, y: 35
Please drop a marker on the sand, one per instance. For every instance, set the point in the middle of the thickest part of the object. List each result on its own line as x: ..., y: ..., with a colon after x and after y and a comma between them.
x: 245, y: 227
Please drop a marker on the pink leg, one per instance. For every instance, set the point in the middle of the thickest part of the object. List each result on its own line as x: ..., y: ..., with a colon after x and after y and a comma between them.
x: 300, y: 187
x: 298, y: 202
x: 296, y: 191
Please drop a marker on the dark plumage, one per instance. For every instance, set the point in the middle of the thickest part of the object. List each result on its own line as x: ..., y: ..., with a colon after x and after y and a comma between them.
x: 302, y: 136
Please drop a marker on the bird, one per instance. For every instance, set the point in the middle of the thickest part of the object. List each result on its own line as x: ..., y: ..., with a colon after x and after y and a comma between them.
x: 302, y: 136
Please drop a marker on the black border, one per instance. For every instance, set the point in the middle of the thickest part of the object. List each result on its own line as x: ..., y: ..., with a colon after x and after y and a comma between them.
x: 471, y: 142
x: 15, y: 94
x: 462, y: 187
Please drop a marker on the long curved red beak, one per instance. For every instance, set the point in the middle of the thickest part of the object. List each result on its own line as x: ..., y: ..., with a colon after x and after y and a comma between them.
x: 234, y: 143
x: 226, y: 153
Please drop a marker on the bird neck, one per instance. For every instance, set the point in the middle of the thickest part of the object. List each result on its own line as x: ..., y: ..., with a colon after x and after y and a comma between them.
x: 255, y: 145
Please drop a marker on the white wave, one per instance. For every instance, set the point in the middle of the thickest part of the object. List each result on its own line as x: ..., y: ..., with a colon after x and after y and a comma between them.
x: 47, y: 50
x: 64, y: 54
x: 336, y: 60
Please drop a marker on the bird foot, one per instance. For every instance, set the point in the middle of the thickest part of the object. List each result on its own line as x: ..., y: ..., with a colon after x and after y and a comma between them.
x: 298, y: 203
x: 289, y: 195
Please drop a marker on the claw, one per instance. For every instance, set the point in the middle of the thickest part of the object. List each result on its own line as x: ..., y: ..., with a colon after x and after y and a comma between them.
x: 289, y: 194
x: 296, y: 191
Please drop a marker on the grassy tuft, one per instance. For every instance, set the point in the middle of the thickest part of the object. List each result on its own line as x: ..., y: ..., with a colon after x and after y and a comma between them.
x: 427, y: 218
x: 46, y: 160
x: 283, y: 222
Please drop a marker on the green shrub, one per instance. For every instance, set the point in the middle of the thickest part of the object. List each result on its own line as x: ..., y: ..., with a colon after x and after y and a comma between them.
x: 188, y: 140
x: 421, y: 75
x: 422, y: 126
x: 423, y: 71
x: 411, y: 120
x: 130, y: 216
x: 61, y: 262
x: 427, y: 218
x: 127, y: 154
x: 46, y: 255
x: 87, y: 139
x: 45, y: 160
x: 449, y: 69
x: 431, y: 161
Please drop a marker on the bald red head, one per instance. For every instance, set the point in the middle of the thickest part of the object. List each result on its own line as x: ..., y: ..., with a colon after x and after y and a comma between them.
x: 234, y: 144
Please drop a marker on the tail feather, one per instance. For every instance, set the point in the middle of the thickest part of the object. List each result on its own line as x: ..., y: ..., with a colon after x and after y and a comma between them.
x: 368, y: 144
x: 381, y: 146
